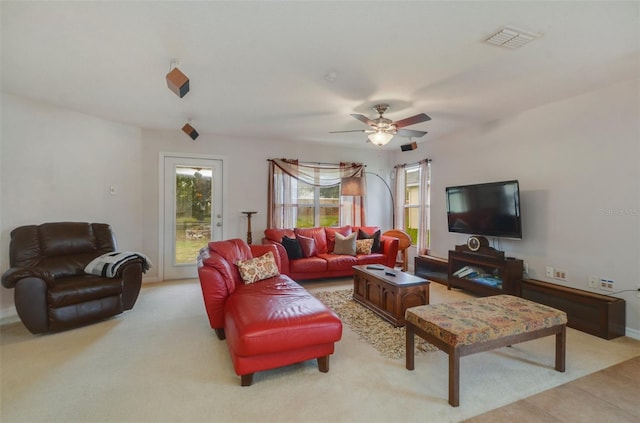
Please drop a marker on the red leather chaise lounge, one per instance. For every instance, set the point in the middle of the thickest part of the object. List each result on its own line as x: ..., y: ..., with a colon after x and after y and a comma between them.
x: 268, y: 323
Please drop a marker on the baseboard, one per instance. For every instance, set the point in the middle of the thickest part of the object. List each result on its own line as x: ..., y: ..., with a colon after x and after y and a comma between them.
x: 632, y: 333
x: 150, y: 279
x: 9, y: 315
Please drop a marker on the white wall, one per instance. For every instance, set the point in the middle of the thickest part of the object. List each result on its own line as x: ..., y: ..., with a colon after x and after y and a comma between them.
x: 58, y: 165
x: 578, y: 163
x: 246, y: 171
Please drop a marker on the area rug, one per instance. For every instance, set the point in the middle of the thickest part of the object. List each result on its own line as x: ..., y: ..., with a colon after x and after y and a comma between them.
x: 371, y: 328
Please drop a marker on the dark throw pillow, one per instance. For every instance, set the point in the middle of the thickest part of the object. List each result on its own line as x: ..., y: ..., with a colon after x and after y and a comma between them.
x: 375, y: 248
x: 294, y: 251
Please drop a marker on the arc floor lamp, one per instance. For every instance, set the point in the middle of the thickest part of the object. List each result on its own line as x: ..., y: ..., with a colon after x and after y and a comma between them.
x: 354, y: 186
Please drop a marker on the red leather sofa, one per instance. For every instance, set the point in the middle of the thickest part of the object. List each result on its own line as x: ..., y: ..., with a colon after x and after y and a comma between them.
x: 324, y: 264
x: 270, y: 323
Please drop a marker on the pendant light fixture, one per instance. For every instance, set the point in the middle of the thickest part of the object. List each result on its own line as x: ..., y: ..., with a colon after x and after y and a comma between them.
x: 380, y: 137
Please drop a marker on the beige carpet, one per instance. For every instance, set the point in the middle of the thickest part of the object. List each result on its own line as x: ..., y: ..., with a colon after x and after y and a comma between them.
x: 161, y: 362
x: 380, y: 334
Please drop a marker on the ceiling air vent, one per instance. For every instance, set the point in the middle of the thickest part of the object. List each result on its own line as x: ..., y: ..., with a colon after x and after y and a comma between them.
x: 511, y: 37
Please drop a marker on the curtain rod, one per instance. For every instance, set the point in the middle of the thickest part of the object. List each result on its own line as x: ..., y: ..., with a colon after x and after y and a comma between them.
x: 306, y: 162
x: 410, y: 164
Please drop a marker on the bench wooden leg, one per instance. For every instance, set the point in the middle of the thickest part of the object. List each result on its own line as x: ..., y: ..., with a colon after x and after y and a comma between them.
x: 246, y: 380
x: 561, y: 348
x: 454, y: 377
x: 410, y: 347
x: 323, y: 364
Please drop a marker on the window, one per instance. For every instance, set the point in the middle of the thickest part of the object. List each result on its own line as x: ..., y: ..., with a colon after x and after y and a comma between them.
x: 308, y: 194
x: 413, y: 198
x: 412, y: 202
x: 318, y: 206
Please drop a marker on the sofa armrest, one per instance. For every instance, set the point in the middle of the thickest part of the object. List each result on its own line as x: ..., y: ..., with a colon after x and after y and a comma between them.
x: 11, y: 277
x: 282, y: 254
x: 259, y: 250
x: 216, y: 284
x: 389, y: 247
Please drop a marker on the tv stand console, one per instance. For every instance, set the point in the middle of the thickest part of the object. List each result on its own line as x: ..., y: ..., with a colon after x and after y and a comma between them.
x: 484, y: 272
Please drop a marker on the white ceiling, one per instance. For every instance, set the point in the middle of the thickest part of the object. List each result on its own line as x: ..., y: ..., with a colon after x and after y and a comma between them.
x: 257, y: 69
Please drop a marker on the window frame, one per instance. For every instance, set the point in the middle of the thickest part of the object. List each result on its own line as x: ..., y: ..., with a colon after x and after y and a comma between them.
x: 407, y: 207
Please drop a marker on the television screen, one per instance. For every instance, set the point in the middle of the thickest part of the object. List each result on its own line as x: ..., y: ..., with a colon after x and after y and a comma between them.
x: 490, y: 209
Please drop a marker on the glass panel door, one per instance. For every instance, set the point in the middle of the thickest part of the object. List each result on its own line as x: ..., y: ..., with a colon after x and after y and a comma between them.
x: 193, y: 212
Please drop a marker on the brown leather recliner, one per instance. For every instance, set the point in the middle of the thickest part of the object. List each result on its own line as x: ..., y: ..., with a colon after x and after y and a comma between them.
x: 52, y: 290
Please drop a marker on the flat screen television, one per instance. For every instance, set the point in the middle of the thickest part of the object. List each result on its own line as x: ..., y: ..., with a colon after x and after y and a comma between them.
x: 489, y: 209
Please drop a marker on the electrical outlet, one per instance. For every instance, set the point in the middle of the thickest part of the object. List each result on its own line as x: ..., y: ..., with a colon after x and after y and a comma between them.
x: 606, y: 284
x: 549, y: 272
x: 526, y: 267
x: 561, y: 275
x: 593, y: 281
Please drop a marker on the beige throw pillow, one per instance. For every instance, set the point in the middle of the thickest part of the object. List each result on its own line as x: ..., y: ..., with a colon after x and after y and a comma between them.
x: 345, y: 244
x: 258, y: 268
x: 363, y: 246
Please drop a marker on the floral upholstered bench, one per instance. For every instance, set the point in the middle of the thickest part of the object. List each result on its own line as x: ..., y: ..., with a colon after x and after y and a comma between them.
x: 482, y: 324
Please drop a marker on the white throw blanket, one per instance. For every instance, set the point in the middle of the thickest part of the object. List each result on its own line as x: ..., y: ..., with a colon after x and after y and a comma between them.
x: 108, y: 264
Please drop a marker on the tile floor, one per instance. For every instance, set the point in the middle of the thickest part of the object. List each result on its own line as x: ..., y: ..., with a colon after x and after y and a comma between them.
x: 610, y: 395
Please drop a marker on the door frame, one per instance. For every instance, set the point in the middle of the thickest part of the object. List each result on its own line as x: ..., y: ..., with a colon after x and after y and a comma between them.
x: 162, y: 194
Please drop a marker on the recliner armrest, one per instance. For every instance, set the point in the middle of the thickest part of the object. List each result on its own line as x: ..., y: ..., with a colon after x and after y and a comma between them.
x: 12, y: 276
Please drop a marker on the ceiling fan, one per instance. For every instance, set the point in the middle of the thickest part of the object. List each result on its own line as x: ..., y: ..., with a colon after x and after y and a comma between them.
x: 383, y: 129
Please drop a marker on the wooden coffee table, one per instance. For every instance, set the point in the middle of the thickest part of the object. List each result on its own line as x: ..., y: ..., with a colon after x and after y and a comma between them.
x: 388, y: 296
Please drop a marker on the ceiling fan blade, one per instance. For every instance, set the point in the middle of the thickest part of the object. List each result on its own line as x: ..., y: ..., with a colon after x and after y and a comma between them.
x: 410, y: 133
x: 354, y: 130
x: 411, y: 120
x: 363, y: 118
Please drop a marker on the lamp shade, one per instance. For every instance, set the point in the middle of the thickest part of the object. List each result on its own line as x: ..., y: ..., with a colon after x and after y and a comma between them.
x: 352, y: 186
x: 380, y: 137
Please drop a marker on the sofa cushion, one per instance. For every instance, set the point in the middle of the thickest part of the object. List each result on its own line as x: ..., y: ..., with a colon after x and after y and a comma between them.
x: 331, y: 235
x: 308, y: 265
x: 277, y: 315
x: 375, y: 236
x: 363, y: 246
x: 373, y: 258
x: 277, y: 234
x: 339, y: 262
x: 258, y: 268
x: 292, y: 246
x: 308, y: 246
x: 81, y: 289
x: 345, y: 244
x: 319, y: 236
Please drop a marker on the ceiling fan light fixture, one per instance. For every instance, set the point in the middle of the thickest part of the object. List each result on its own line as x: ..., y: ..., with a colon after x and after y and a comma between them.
x: 380, y: 138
